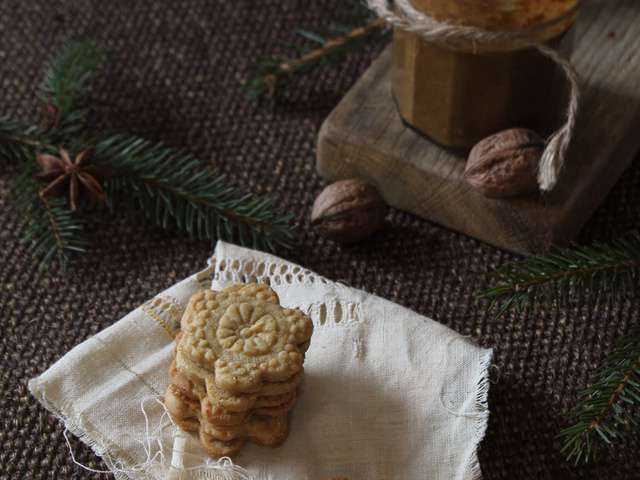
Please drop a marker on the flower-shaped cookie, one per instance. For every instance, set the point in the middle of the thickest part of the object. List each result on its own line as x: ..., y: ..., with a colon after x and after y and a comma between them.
x: 241, y: 337
x: 247, y: 328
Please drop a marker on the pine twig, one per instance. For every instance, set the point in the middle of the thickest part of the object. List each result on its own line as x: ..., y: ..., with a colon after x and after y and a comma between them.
x: 610, y: 408
x: 65, y: 88
x: 599, y: 269
x: 270, y: 73
x: 18, y: 139
x: 175, y: 190
x: 52, y: 233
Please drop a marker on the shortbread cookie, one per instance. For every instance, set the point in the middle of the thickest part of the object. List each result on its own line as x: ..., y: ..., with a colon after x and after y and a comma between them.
x: 260, y: 291
x: 276, y: 411
x: 227, y: 433
x: 185, y: 384
x: 242, y: 338
x: 257, y: 344
x: 181, y: 406
x: 273, y: 400
x: 187, y: 424
x: 191, y: 370
x: 229, y: 401
x: 304, y: 347
x: 225, y: 400
x: 237, y: 365
x: 268, y: 431
x: 180, y: 403
x: 219, y: 448
x: 220, y: 417
x: 243, y: 402
x: 280, y: 388
x: 262, y: 430
x: 210, y: 298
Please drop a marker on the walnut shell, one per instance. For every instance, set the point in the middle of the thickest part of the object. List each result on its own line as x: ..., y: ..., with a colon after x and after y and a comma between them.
x: 505, y: 164
x: 348, y: 211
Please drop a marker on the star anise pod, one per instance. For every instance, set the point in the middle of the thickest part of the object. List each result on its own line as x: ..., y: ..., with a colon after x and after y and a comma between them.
x: 62, y: 173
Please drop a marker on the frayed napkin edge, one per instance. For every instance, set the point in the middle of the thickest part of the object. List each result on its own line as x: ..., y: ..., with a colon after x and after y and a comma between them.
x: 482, y: 407
x: 85, y: 435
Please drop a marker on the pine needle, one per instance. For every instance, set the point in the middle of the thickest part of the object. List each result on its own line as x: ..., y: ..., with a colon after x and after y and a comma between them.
x: 65, y: 88
x: 18, y: 139
x: 597, y: 270
x: 52, y: 233
x: 176, y: 191
x: 271, y: 73
x: 609, y: 409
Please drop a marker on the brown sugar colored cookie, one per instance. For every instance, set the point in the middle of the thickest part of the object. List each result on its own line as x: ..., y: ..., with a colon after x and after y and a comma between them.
x: 268, y: 431
x: 255, y: 342
x: 304, y: 347
x: 188, y: 387
x: 269, y: 396
x: 179, y: 405
x: 276, y: 411
x: 274, y: 400
x: 225, y: 434
x: 187, y: 424
x: 238, y: 363
x: 279, y: 388
x: 191, y: 371
x: 243, y: 402
x: 218, y: 448
x: 229, y: 401
x: 260, y: 291
x: 243, y: 340
x: 219, y: 417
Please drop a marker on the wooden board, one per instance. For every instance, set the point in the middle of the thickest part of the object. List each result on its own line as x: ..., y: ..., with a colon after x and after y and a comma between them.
x: 364, y: 137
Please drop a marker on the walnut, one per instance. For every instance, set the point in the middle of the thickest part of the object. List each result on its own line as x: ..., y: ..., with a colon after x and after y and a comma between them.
x: 349, y: 211
x: 505, y: 164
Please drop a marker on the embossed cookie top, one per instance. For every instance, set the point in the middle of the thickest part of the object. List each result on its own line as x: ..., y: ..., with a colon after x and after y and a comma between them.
x: 247, y: 328
x: 243, y: 337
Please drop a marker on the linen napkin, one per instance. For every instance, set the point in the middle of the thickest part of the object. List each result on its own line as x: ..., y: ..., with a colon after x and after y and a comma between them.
x: 387, y: 394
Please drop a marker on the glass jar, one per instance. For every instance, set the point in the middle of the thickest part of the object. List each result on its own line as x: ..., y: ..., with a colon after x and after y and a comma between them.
x: 458, y: 95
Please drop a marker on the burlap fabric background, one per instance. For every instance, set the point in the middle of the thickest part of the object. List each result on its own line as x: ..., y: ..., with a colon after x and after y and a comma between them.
x: 175, y: 75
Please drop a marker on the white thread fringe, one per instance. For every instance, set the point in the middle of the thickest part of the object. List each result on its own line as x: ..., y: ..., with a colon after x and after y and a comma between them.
x: 482, y: 406
x: 156, y: 458
x: 406, y: 17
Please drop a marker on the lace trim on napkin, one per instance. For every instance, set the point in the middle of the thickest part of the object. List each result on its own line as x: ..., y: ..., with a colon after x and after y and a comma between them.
x: 278, y: 274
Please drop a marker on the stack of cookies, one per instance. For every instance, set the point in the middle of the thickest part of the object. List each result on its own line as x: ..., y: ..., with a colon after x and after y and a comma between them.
x: 236, y: 368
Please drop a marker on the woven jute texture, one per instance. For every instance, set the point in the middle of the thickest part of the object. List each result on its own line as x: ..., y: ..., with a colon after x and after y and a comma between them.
x: 175, y: 74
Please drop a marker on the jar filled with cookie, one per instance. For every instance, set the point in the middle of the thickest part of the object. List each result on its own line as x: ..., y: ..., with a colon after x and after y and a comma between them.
x: 459, y: 93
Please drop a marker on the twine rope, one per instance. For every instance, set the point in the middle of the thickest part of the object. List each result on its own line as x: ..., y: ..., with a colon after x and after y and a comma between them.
x: 404, y: 16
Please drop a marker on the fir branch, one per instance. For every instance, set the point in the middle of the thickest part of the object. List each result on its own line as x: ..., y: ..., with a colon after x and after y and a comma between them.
x: 609, y: 409
x: 598, y: 269
x: 18, y: 139
x: 52, y: 233
x: 172, y: 188
x: 175, y: 190
x: 270, y: 73
x: 66, y: 83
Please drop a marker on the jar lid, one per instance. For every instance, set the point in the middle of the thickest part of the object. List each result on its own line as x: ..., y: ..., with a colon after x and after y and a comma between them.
x: 499, y: 15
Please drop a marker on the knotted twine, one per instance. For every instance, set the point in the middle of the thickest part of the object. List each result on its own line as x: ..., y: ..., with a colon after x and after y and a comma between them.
x: 405, y: 17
